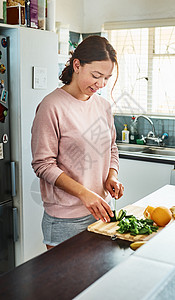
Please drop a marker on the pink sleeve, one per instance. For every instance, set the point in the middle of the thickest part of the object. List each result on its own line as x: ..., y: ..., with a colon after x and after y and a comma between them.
x: 45, y: 141
x: 114, y: 150
x: 114, y: 163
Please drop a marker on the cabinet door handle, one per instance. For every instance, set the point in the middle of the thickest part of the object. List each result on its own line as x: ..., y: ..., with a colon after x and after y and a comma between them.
x: 15, y: 224
x: 13, y: 178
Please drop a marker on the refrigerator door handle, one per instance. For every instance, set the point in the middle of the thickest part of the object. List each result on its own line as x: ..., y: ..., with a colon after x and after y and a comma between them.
x: 15, y: 224
x: 13, y: 178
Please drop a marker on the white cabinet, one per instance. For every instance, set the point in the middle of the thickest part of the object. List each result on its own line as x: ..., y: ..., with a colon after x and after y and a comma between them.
x: 28, y: 48
x: 141, y: 178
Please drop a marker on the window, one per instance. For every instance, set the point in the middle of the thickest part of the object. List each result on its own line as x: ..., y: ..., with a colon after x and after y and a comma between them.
x: 146, y: 58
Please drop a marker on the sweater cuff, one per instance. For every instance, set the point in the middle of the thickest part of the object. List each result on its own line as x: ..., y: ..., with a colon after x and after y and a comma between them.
x: 114, y: 166
x: 52, y: 177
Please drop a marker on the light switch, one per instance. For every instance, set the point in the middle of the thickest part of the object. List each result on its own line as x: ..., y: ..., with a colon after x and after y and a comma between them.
x: 39, y: 75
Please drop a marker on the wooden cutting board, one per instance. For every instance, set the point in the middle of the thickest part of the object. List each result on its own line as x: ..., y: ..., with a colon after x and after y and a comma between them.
x: 110, y: 229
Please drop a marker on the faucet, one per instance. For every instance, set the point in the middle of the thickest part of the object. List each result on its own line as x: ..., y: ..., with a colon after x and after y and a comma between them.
x: 152, y: 134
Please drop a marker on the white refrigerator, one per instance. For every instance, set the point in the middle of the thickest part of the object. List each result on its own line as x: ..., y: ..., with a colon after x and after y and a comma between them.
x: 31, y: 51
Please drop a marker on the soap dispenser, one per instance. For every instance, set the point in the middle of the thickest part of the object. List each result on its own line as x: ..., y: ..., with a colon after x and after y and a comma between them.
x: 125, y: 134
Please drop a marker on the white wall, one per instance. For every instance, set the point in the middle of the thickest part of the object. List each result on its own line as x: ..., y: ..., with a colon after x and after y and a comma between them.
x: 99, y: 11
x: 90, y: 15
x: 70, y: 12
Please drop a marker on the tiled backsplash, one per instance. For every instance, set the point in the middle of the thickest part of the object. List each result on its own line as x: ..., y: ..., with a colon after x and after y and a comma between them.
x: 161, y: 126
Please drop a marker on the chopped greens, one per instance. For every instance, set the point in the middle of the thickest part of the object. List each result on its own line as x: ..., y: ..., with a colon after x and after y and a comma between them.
x: 130, y: 224
x: 121, y: 215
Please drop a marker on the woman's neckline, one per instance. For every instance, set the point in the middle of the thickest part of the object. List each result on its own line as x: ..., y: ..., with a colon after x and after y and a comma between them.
x: 75, y: 99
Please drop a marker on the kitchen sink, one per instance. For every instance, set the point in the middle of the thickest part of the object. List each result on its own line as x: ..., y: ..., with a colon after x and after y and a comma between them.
x: 131, y: 147
x: 144, y: 150
x: 160, y: 151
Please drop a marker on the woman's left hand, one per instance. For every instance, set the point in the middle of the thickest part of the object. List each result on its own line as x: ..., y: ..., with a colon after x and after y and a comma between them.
x: 114, y: 187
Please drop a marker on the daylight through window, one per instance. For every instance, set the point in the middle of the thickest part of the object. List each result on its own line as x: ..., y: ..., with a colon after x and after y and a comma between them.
x: 146, y: 83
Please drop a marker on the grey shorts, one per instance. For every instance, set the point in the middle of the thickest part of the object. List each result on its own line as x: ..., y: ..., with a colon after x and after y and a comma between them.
x: 57, y: 230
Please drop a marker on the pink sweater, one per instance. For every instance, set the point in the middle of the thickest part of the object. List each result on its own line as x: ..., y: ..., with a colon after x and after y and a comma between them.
x: 75, y: 137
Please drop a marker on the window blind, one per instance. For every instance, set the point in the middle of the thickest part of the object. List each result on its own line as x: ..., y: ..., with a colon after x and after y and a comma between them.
x: 146, y: 58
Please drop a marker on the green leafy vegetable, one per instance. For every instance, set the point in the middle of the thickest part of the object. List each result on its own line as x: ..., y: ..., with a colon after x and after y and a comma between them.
x: 130, y: 224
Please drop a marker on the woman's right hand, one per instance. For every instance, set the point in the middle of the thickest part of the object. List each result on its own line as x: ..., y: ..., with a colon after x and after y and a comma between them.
x: 97, y: 206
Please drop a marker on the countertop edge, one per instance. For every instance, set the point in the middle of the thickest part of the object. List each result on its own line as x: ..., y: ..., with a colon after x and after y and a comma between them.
x: 161, y: 160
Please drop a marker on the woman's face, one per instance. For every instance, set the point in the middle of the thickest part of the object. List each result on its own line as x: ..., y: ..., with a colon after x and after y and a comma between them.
x: 91, y: 77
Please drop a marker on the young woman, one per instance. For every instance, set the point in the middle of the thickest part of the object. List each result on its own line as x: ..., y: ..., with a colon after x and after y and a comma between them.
x: 73, y: 145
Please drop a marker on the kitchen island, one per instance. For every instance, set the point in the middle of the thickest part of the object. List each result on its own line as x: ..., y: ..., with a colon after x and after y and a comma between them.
x: 92, y: 266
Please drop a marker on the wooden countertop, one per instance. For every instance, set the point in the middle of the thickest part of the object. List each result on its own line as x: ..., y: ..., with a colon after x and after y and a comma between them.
x: 66, y: 270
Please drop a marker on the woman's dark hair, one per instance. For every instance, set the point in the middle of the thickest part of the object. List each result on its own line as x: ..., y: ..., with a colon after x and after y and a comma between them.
x: 92, y: 48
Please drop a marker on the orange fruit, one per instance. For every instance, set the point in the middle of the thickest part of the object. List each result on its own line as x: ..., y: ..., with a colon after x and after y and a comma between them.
x: 161, y: 215
x: 148, y: 212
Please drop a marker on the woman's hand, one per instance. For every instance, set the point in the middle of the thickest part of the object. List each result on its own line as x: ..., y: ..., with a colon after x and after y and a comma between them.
x: 114, y: 187
x: 98, y: 207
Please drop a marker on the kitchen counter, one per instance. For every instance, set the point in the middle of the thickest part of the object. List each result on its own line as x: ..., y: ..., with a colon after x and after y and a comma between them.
x: 149, y: 273
x: 147, y: 153
x: 86, y: 265
x: 66, y: 270
x: 149, y: 158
